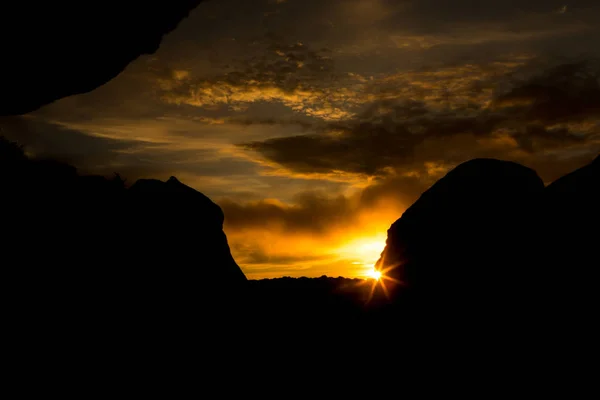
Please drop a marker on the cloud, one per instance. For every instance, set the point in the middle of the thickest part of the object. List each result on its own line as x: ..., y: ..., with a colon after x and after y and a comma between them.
x: 559, y: 108
x: 565, y: 93
x: 44, y: 139
x: 321, y: 213
x: 479, y: 35
x: 319, y: 232
x: 309, y: 213
x: 292, y: 74
x: 409, y: 32
x: 439, y: 14
x: 255, y: 255
x: 141, y: 149
x: 304, y: 80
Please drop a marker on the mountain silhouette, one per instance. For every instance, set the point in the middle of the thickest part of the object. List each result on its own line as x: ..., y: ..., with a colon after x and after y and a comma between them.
x: 467, y: 238
x: 80, y: 46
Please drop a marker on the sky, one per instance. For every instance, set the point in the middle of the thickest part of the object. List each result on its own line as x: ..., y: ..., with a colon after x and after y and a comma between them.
x: 315, y: 123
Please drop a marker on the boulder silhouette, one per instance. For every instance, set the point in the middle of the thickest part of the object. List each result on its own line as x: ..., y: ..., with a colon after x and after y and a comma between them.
x: 467, y: 244
x: 175, y: 216
x: 573, y: 216
x: 571, y: 255
x: 98, y: 277
x: 87, y: 251
x: 58, y: 49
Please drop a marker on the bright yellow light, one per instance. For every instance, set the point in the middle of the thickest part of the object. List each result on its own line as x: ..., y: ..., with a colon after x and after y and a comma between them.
x: 375, y: 274
x: 365, y: 251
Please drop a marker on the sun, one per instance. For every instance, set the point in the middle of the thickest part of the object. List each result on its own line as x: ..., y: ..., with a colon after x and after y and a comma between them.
x: 374, y: 274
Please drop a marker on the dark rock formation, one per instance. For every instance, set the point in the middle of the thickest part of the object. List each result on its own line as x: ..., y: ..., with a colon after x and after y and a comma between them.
x: 571, y: 252
x: 97, y: 277
x: 467, y: 243
x: 572, y: 213
x: 56, y: 49
x: 495, y: 267
x: 81, y: 249
x: 174, y: 216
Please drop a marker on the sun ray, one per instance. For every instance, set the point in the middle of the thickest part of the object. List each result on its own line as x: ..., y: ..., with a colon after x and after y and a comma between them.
x: 383, y: 280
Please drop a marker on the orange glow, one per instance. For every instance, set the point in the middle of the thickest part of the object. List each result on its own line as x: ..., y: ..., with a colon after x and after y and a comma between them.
x: 363, y: 251
x: 350, y: 251
x: 375, y: 274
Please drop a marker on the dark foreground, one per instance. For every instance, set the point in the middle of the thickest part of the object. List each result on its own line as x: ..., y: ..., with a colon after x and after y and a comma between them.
x: 491, y: 283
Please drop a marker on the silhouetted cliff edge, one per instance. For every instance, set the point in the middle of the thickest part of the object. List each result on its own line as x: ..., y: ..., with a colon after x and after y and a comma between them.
x: 80, y: 45
x: 470, y: 233
x: 490, y: 226
x: 75, y: 246
x: 495, y: 267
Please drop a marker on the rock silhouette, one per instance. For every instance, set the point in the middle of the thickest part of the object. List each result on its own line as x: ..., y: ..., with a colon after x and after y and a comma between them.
x: 468, y: 238
x: 571, y: 255
x: 86, y: 248
x: 80, y: 46
x: 184, y: 216
x: 494, y: 266
x: 573, y: 215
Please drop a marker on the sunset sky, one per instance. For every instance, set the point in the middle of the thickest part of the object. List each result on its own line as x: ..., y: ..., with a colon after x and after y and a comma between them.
x: 315, y: 123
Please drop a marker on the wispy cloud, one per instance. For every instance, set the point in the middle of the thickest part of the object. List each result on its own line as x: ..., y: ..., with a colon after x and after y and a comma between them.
x: 559, y: 108
x: 298, y: 77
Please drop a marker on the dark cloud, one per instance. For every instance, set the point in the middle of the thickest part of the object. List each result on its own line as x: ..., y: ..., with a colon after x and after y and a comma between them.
x: 318, y: 213
x: 205, y: 168
x: 292, y: 74
x: 402, y: 190
x: 453, y: 22
x: 366, y: 146
x: 390, y: 133
x: 46, y: 139
x: 304, y: 124
x: 568, y: 92
x: 310, y: 213
x: 436, y: 11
